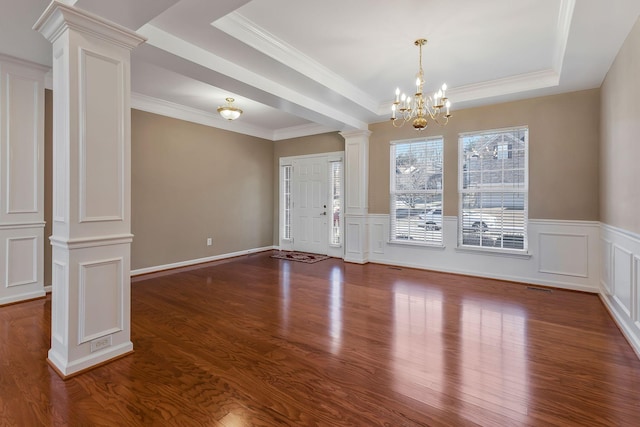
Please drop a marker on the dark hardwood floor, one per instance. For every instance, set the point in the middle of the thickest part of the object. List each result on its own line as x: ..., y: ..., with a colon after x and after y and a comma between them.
x: 257, y: 341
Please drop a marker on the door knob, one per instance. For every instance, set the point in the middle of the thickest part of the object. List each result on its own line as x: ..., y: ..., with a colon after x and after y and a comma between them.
x: 323, y: 213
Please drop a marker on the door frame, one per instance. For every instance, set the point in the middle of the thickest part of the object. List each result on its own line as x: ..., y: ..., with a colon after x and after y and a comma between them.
x: 334, y: 250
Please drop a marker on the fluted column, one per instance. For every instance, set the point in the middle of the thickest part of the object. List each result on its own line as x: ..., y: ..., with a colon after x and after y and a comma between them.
x: 91, y: 188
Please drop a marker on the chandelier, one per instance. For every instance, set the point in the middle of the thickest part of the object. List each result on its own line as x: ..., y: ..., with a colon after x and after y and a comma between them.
x: 421, y: 108
x: 228, y: 111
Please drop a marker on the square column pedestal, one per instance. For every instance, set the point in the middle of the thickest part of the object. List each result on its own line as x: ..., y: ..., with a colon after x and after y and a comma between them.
x: 91, y: 294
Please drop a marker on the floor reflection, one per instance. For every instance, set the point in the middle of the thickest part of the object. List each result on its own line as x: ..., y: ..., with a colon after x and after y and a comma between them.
x: 285, y: 295
x: 479, y: 345
x: 493, y: 353
x: 335, y: 309
x: 418, y: 352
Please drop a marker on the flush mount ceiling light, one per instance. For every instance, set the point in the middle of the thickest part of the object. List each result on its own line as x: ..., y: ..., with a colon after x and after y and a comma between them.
x: 420, y: 108
x: 228, y: 111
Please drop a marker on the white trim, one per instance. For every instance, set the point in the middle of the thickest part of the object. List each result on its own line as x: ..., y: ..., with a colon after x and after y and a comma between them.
x: 208, y: 118
x: 194, y: 115
x: 147, y: 270
x: 22, y: 297
x: 321, y: 112
x: 505, y: 86
x: 90, y: 242
x: 248, y: 32
x: 512, y: 266
x: 564, y: 25
x: 16, y: 225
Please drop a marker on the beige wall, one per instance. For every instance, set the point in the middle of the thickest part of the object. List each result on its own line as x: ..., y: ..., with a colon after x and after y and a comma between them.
x: 315, y: 144
x: 620, y: 138
x: 563, y: 153
x: 182, y: 191
x: 190, y: 182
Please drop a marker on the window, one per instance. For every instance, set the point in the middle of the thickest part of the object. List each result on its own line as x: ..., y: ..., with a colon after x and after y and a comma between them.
x: 336, y: 191
x: 493, y: 184
x: 416, y: 191
x: 287, y: 171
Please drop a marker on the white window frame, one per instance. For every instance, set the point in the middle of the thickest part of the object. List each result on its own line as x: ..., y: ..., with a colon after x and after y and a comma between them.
x: 495, y: 190
x: 285, y: 237
x: 433, y: 236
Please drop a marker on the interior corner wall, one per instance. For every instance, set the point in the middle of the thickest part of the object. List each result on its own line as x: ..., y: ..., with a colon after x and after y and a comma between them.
x: 620, y: 189
x: 191, y: 182
x: 620, y: 147
x: 307, y: 145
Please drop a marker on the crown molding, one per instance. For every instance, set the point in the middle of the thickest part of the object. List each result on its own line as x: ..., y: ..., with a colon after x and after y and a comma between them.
x: 24, y: 63
x: 194, y: 115
x: 320, y: 112
x: 499, y: 87
x: 564, y: 26
x: 59, y: 17
x: 207, y: 118
x: 300, y: 131
x: 249, y: 33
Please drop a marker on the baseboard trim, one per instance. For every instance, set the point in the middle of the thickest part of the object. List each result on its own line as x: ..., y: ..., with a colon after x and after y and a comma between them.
x: 155, y: 269
x: 508, y: 278
x: 621, y: 321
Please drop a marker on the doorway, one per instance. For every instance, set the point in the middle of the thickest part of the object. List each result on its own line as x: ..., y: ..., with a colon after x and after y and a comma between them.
x: 311, y: 200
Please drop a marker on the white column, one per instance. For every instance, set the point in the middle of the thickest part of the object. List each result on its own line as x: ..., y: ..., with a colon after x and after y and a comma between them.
x: 91, y: 298
x: 356, y: 169
x: 21, y: 180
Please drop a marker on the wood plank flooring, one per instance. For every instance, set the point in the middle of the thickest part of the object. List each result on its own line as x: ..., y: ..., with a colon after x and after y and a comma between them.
x: 257, y: 341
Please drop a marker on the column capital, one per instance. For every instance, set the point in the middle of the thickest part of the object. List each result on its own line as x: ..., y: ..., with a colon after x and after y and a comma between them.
x: 356, y: 133
x: 59, y: 17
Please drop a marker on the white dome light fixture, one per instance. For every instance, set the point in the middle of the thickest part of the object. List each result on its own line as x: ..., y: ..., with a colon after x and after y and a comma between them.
x: 228, y: 111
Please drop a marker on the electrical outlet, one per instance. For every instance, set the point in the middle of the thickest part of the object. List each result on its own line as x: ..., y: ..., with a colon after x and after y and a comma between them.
x: 100, y: 343
x: 209, y: 241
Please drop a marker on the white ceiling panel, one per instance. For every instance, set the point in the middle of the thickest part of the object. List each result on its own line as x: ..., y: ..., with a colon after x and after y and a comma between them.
x: 304, y: 67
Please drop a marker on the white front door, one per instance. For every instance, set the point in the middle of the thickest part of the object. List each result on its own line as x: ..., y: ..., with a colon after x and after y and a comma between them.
x: 310, y: 211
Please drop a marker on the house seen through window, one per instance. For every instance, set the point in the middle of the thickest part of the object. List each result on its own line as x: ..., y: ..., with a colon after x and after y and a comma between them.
x: 416, y: 191
x: 493, y: 188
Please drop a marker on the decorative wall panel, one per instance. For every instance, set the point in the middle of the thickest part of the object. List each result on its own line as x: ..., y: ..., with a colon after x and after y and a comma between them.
x: 564, y: 254
x: 100, y: 299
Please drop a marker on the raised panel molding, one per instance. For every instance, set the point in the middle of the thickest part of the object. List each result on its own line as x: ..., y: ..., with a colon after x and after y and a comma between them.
x: 59, y: 278
x: 377, y: 238
x: 354, y: 238
x: 605, y: 260
x: 100, y: 298
x: 23, y: 144
x: 635, y: 289
x: 22, y: 261
x: 622, y: 277
x: 564, y: 254
x: 102, y: 141
x: 61, y: 161
x: 621, y: 285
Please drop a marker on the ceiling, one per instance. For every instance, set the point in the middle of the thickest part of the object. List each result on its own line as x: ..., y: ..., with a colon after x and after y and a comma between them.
x: 304, y: 67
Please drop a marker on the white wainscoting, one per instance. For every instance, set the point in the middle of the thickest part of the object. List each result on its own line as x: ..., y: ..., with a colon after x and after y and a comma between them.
x: 562, y: 254
x: 620, y: 280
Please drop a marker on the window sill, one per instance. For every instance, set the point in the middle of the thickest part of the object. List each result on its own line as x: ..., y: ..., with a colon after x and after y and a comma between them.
x: 512, y: 253
x: 410, y: 243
